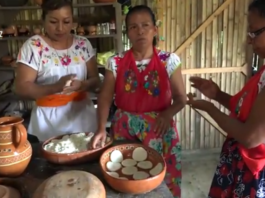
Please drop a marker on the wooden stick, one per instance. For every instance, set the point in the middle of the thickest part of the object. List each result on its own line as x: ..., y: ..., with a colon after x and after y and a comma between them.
x: 210, y: 120
x: 195, y: 71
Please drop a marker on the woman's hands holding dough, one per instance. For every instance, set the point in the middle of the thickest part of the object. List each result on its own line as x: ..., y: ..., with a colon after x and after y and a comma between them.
x: 68, y: 84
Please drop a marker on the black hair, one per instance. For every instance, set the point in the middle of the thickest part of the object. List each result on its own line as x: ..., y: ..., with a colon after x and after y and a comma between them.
x: 51, y: 5
x: 259, y: 6
x: 141, y: 8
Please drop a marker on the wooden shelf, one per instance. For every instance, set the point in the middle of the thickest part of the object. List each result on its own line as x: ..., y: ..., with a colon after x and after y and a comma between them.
x: 89, y: 37
x: 75, y: 6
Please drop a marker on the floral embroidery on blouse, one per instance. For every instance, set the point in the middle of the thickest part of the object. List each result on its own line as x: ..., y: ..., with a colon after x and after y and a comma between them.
x: 130, y: 81
x: 152, y: 83
x: 77, y: 54
x: 169, y: 60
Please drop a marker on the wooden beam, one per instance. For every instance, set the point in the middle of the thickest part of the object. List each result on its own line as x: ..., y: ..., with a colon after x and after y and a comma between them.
x: 211, y: 121
x: 243, y: 69
x: 203, y: 26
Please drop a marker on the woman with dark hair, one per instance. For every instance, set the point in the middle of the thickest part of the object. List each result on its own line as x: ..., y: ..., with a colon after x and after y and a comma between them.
x: 57, y: 70
x: 144, y: 81
x: 241, y: 170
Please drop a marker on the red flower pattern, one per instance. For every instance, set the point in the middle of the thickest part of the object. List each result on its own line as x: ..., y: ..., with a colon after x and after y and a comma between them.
x: 65, y: 60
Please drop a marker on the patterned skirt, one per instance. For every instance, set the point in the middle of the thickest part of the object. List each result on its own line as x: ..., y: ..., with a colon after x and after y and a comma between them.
x: 127, y: 126
x: 233, y: 179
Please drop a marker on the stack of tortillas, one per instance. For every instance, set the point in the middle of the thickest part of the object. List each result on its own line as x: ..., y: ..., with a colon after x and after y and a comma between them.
x: 137, y: 167
x: 71, y: 184
x: 9, y: 192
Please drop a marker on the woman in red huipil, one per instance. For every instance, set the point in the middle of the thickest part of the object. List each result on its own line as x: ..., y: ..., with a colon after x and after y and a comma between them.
x: 241, y: 170
x: 145, y: 81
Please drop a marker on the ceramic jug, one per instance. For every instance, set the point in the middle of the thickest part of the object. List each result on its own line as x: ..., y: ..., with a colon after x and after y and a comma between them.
x: 15, y: 150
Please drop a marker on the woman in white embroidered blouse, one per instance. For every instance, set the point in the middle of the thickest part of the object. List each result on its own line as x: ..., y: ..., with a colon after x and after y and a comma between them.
x: 57, y: 70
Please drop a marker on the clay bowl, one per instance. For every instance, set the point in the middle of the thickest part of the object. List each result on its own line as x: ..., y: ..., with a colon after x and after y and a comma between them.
x: 73, y: 158
x: 15, y: 184
x: 133, y: 186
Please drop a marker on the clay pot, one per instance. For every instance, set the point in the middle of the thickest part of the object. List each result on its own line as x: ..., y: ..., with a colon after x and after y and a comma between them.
x: 132, y: 186
x: 23, y: 31
x: 80, y: 31
x: 71, y: 184
x: 73, y: 158
x: 37, y: 31
x: 92, y: 30
x: 10, y: 31
x: 10, y: 185
x: 15, y: 149
x: 38, y: 2
x: 6, y: 60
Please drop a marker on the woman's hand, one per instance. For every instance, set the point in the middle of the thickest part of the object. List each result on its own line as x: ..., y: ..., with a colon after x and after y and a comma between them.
x: 163, y: 123
x: 74, y: 85
x: 198, y: 104
x: 64, y: 81
x: 98, y: 139
x: 207, y: 87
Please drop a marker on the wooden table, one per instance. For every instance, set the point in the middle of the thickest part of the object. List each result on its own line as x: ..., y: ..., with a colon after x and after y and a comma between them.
x: 39, y: 170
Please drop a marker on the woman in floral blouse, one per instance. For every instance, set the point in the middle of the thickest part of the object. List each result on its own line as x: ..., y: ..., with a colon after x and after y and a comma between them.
x: 57, y: 70
x: 145, y: 81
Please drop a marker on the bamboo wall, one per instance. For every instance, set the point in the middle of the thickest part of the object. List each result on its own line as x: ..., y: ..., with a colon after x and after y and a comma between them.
x: 222, y: 44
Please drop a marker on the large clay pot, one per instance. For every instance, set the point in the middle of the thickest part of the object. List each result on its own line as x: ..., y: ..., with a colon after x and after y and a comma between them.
x: 15, y: 150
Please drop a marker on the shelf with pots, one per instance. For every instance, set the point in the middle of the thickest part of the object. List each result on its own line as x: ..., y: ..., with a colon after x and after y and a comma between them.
x: 87, y: 36
x: 33, y: 7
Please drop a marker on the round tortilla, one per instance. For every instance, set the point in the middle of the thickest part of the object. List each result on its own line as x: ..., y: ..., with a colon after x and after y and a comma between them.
x: 140, y: 175
x: 130, y: 170
x: 139, y: 154
x: 156, y: 170
x: 128, y: 162
x: 145, y: 165
x: 123, y: 178
x: 113, y: 166
x: 113, y: 174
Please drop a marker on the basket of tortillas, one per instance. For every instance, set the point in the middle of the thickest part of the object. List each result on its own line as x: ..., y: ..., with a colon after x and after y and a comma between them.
x: 128, y: 168
x: 73, y: 148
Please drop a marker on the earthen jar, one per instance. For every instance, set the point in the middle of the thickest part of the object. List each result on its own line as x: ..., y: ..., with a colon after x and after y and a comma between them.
x: 92, y: 30
x: 15, y: 150
x: 37, y: 31
x: 38, y: 2
x: 10, y: 31
x: 80, y: 31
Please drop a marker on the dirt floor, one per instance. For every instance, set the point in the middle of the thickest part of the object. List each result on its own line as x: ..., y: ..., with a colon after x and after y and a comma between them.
x: 197, y: 172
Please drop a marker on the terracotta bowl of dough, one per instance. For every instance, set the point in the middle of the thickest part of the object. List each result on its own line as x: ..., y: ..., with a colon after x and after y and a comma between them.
x: 128, y: 183
x: 73, y: 158
x: 12, y: 188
